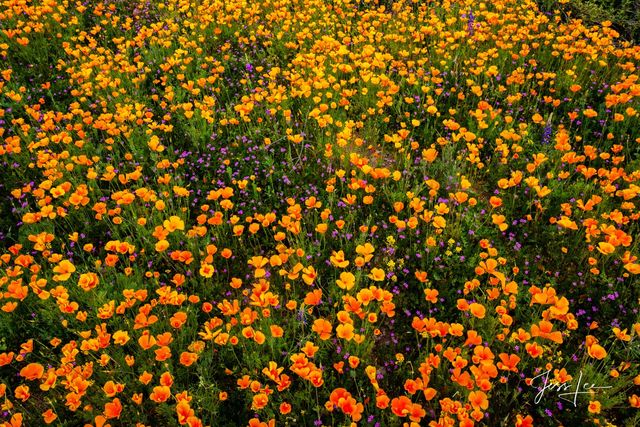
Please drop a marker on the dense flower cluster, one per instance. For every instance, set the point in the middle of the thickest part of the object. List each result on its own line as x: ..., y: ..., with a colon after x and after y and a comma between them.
x: 281, y: 212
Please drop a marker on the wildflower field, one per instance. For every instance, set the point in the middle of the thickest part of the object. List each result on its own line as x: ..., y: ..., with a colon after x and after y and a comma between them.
x: 317, y: 212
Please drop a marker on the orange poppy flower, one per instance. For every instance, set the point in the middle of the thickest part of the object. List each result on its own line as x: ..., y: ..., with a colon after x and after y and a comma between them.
x: 314, y: 297
x: 382, y: 401
x: 145, y: 377
x: 160, y: 394
x: 244, y: 382
x: 260, y: 400
x: 495, y: 202
x: 113, y: 409
x: 597, y: 351
x: 164, y: 339
x: 508, y: 362
x: 315, y: 377
x: 163, y: 353
x: 524, y: 421
x: 477, y: 310
x: 276, y: 331
x: 401, y: 406
x: 16, y: 420
x: 345, y: 331
x: 33, y: 371
x: 178, y: 319
x: 187, y: 358
x: 22, y: 393
x: 323, y: 328
x: 49, y: 416
x: 184, y: 411
x: 147, y: 340
x: 285, y: 408
x: 310, y: 349
x: 534, y: 349
x: 6, y: 358
x: 544, y: 330
x: 259, y: 337
x: 429, y: 154
x: 431, y: 295
x: 111, y: 389
x: 478, y: 400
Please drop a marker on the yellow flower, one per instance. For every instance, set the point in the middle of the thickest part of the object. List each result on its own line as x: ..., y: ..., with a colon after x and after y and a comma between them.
x: 309, y: 275
x: 88, y: 281
x: 162, y: 245
x: 606, y: 248
x: 499, y: 221
x: 206, y: 270
x: 173, y: 223
x: 377, y: 274
x: 337, y: 259
x: 63, y: 270
x: 345, y: 331
x: 632, y: 268
x: 346, y: 281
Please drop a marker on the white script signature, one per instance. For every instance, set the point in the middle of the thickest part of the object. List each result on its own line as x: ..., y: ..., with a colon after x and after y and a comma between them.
x: 565, y: 391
